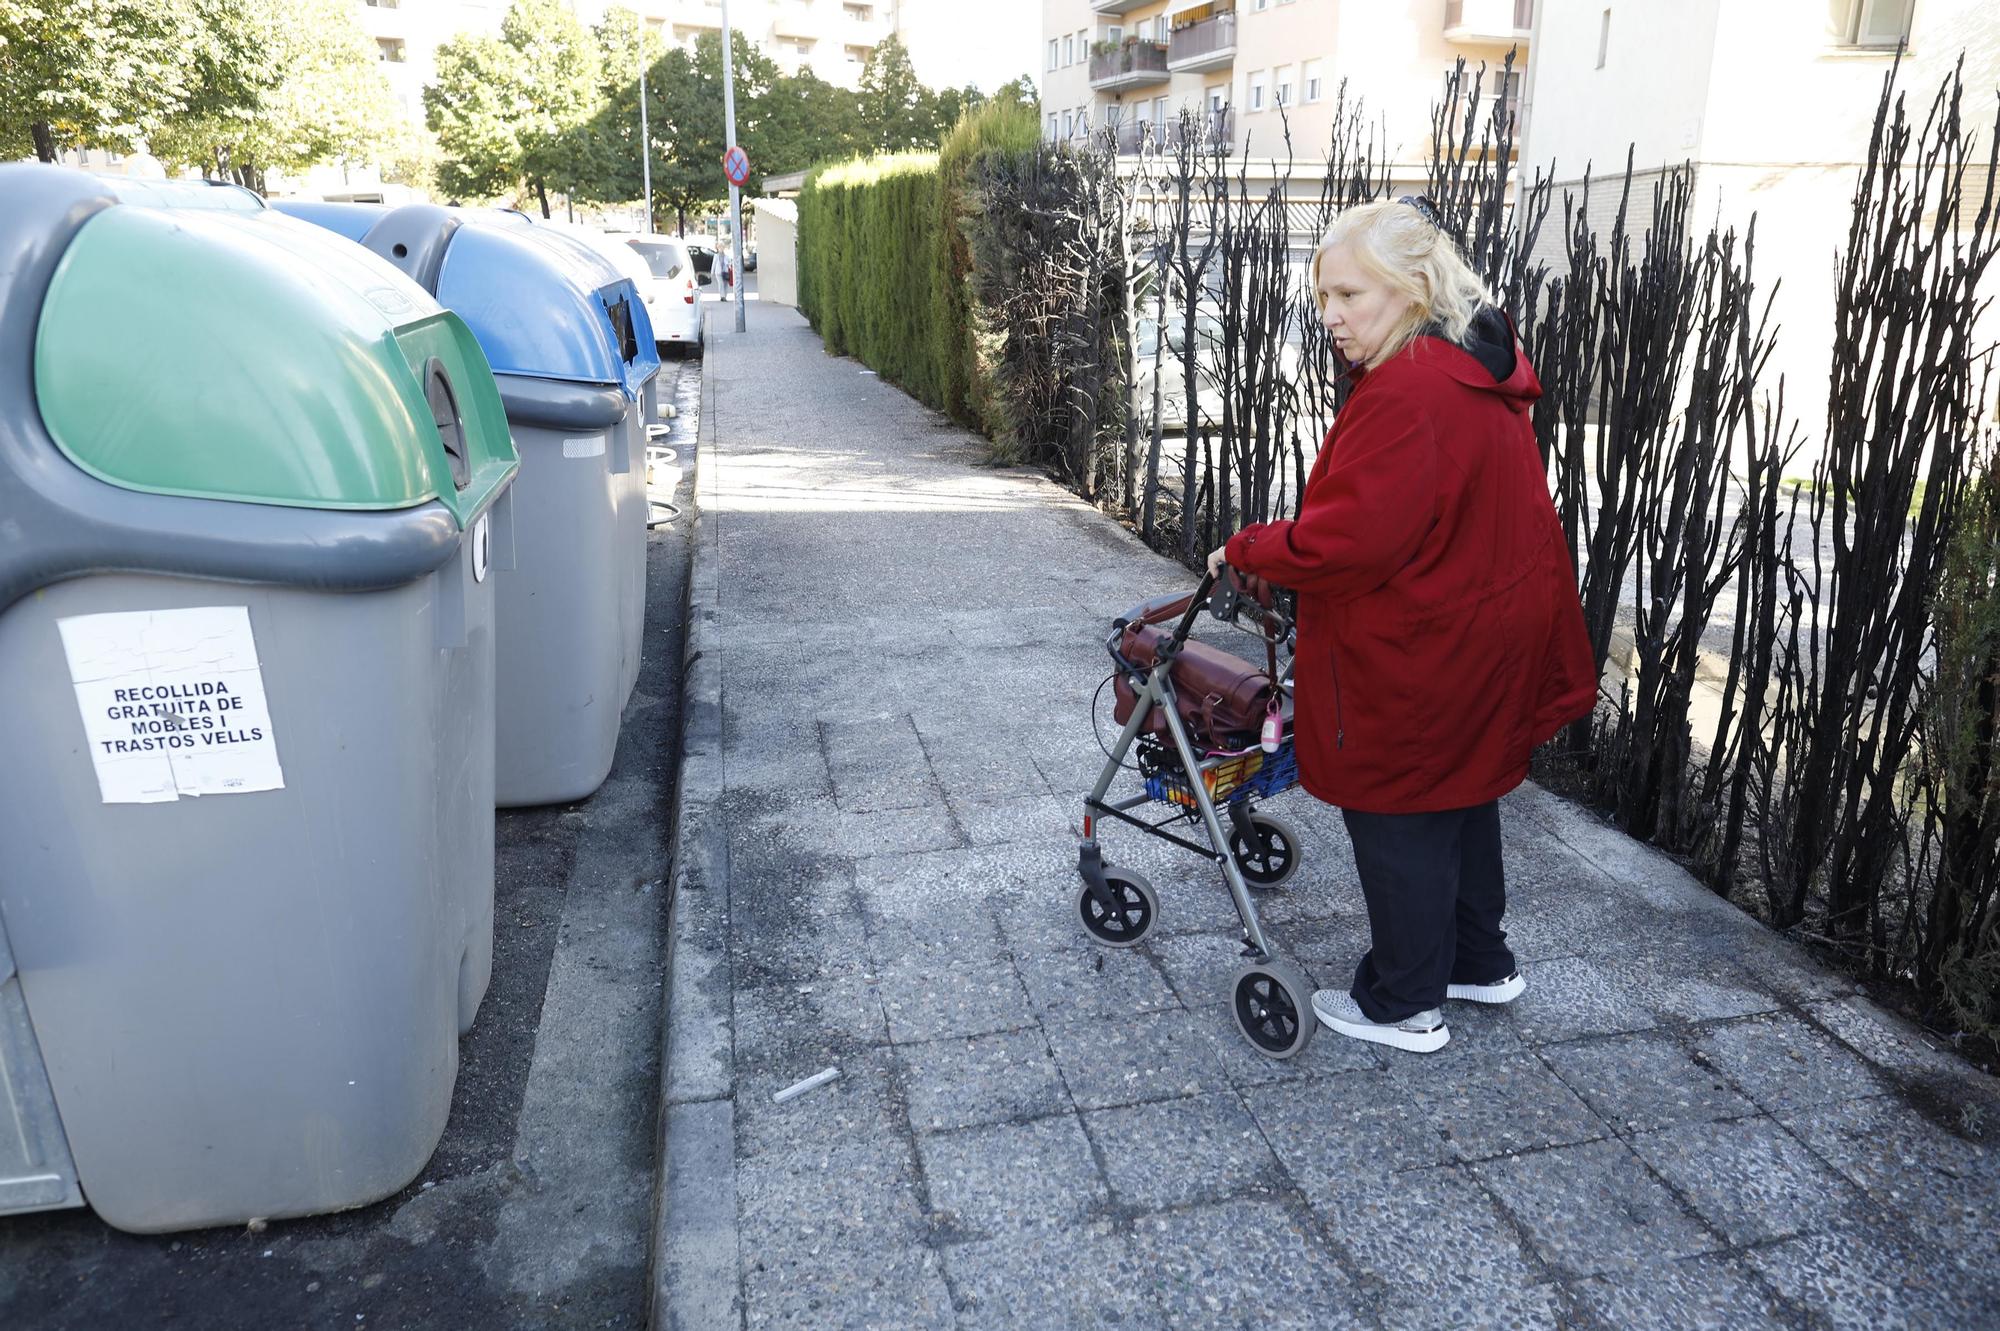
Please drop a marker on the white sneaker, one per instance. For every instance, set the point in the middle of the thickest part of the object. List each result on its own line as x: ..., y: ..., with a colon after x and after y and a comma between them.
x: 1424, y: 1033
x: 1500, y: 991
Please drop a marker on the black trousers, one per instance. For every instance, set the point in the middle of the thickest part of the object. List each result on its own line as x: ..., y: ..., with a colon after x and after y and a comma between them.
x: 1435, y: 893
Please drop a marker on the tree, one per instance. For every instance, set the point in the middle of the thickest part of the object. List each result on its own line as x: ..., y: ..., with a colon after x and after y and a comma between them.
x: 289, y: 84
x: 605, y: 149
x: 94, y: 73
x: 949, y: 106
x: 559, y: 71
x: 510, y: 112
x: 688, y: 173
x: 471, y: 110
x: 897, y: 111
x: 811, y: 121
x: 1021, y: 92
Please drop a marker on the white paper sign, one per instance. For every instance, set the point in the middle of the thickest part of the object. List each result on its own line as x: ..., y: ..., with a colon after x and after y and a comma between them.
x: 172, y: 703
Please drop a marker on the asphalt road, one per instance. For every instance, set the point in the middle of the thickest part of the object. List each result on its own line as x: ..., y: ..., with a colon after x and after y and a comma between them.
x: 535, y: 1210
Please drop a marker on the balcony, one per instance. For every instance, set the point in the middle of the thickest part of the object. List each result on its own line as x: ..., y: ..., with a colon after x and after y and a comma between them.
x: 1212, y: 128
x: 696, y: 14
x: 1135, y: 64
x: 796, y: 23
x: 1117, y: 6
x: 1208, y: 44
x: 1508, y: 21
x: 860, y: 31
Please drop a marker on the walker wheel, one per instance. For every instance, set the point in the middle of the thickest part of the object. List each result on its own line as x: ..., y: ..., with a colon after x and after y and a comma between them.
x: 1128, y: 917
x: 1270, y: 854
x: 1273, y: 1006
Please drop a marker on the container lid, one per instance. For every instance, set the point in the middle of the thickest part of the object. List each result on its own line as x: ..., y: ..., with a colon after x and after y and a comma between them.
x: 210, y: 195
x: 352, y: 220
x: 246, y: 356
x: 623, y: 299
x: 546, y: 309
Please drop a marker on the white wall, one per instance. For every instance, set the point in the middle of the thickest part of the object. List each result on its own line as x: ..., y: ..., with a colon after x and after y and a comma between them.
x: 1652, y: 92
x: 777, y: 250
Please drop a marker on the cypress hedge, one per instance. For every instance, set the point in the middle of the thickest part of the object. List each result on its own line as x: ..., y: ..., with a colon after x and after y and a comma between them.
x: 885, y: 274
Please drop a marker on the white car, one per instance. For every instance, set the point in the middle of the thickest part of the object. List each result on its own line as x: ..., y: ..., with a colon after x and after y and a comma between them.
x: 673, y: 296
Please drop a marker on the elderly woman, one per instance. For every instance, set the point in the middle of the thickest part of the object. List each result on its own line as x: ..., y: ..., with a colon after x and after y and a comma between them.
x: 1439, y: 634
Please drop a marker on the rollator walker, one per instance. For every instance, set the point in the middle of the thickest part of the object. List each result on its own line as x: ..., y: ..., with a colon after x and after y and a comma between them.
x: 1210, y: 735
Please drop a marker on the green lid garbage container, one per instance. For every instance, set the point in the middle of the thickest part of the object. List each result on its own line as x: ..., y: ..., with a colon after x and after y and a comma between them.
x: 573, y: 354
x: 252, y: 482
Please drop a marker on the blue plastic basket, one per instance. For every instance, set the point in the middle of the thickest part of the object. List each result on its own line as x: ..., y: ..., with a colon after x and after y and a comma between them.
x: 1253, y: 773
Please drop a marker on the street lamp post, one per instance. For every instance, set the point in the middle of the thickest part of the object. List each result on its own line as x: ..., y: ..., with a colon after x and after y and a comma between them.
x: 729, y: 130
x: 645, y: 135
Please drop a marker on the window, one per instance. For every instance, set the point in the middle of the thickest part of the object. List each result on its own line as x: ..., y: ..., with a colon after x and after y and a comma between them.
x: 1218, y: 97
x: 1069, y: 48
x: 1258, y: 82
x: 1281, y: 78
x: 1055, y: 52
x: 1083, y: 122
x: 389, y: 50
x: 382, y: 4
x: 1509, y: 93
x: 1069, y: 124
x: 1313, y: 75
x: 1114, y: 34
x: 805, y: 48
x: 1052, y: 124
x: 1260, y: 5
x: 1883, y: 23
x: 1603, y: 38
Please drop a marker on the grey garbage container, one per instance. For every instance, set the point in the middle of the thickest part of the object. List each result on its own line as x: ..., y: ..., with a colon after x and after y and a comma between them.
x: 571, y: 349
x: 253, y: 481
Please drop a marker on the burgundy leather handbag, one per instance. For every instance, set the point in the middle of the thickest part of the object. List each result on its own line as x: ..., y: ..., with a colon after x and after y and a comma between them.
x: 1216, y: 693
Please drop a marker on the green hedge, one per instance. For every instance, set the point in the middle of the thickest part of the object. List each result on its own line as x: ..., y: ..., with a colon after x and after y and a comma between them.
x: 884, y: 271
x: 997, y: 129
x: 868, y: 270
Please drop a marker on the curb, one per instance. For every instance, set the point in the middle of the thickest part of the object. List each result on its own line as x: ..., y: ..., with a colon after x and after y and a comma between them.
x: 699, y: 855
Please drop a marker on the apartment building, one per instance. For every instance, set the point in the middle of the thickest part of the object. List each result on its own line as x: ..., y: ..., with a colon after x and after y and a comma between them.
x: 1770, y: 103
x: 832, y: 38
x: 407, y: 34
x: 1250, y: 67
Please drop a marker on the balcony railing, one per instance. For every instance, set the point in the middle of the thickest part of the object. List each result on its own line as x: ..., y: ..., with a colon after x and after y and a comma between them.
x: 1209, y: 44
x: 1488, y: 20
x: 696, y: 14
x: 1131, y: 65
x: 1211, y: 128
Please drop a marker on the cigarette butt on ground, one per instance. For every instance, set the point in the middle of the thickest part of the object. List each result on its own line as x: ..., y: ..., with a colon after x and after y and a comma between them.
x: 812, y: 1083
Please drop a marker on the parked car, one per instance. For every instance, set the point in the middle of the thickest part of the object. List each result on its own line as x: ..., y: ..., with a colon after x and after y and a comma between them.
x: 1173, y: 391
x: 703, y: 255
x: 674, y: 294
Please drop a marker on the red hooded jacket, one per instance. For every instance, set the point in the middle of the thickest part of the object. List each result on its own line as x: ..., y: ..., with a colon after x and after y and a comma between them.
x: 1440, y: 638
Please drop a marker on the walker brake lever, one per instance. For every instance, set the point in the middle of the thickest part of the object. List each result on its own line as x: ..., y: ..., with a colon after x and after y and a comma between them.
x: 1226, y: 601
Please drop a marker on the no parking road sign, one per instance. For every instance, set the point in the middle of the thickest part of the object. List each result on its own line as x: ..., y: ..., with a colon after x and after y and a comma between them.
x: 736, y: 165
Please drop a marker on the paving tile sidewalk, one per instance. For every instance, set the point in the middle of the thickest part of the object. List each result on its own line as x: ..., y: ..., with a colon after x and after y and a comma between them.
x: 1684, y: 1122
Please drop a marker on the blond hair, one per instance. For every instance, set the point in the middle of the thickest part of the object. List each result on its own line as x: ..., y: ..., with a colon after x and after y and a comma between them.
x: 1398, y: 244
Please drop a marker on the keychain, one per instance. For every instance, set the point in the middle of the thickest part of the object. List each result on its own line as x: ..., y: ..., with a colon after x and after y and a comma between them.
x: 1274, y: 724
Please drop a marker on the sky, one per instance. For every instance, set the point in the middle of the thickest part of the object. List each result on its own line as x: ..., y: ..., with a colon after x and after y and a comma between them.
x: 953, y: 42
